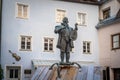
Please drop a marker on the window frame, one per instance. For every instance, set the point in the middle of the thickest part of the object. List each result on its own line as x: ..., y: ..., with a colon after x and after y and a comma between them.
x: 103, y: 12
x: 81, y: 20
x: 22, y: 13
x: 86, y: 47
x: 56, y: 13
x: 13, y: 76
x: 27, y: 73
x: 48, y: 44
x: 112, y: 42
x: 26, y: 38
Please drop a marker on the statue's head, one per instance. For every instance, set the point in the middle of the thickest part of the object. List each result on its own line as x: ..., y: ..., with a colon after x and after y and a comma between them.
x: 65, y: 20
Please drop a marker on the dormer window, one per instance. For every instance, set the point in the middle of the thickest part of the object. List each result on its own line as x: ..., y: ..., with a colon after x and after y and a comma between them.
x: 106, y: 13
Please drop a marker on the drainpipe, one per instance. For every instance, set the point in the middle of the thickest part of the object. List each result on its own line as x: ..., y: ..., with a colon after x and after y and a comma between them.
x: 0, y: 26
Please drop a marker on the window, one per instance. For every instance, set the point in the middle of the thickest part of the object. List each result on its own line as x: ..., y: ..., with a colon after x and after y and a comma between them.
x: 86, y: 46
x: 25, y: 43
x: 13, y: 73
x: 22, y: 10
x: 104, y: 74
x: 48, y: 44
x: 116, y: 41
x: 106, y: 13
x: 117, y: 74
x: 27, y: 73
x: 60, y: 14
x: 81, y: 18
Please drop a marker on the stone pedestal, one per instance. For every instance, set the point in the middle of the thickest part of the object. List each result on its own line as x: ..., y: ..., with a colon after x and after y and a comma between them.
x: 65, y: 66
x: 66, y: 73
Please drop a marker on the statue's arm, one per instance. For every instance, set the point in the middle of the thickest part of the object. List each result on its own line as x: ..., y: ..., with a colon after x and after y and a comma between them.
x: 76, y: 24
x: 56, y: 29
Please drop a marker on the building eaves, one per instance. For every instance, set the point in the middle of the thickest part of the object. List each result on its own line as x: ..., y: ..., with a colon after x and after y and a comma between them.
x: 103, y: 1
x: 108, y: 22
x: 92, y: 2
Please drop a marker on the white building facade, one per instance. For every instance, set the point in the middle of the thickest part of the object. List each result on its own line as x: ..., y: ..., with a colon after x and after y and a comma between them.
x: 28, y: 30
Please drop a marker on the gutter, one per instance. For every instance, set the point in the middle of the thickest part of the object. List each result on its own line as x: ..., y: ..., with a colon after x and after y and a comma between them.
x: 83, y: 2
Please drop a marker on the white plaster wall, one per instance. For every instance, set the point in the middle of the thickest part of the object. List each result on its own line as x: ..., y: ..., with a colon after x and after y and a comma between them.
x: 40, y: 24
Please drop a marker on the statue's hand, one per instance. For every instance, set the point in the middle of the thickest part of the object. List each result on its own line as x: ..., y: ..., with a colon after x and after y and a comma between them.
x: 76, y: 24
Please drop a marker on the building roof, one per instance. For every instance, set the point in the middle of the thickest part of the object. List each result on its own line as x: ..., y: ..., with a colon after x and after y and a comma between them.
x: 93, y: 2
x: 109, y: 21
x: 103, y: 1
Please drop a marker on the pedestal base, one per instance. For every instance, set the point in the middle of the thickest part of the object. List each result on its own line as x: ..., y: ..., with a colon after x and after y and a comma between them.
x: 63, y: 65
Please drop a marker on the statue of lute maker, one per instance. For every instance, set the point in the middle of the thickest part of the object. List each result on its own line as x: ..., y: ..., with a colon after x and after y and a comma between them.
x: 66, y: 37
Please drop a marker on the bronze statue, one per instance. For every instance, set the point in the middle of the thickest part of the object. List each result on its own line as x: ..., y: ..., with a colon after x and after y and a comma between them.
x: 66, y: 37
x: 65, y: 43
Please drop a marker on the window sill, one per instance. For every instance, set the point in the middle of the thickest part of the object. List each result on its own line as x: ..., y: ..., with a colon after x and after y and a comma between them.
x: 82, y: 25
x: 86, y: 53
x: 48, y: 51
x: 115, y: 48
x: 58, y: 21
x: 24, y: 50
x: 22, y: 18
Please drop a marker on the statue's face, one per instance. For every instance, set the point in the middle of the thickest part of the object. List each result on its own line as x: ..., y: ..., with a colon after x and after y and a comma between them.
x: 65, y: 20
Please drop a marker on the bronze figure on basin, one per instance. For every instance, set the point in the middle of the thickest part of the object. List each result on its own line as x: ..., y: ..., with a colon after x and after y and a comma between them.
x: 65, y: 40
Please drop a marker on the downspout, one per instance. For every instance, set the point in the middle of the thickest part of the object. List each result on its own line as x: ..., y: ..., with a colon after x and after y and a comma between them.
x: 0, y: 26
